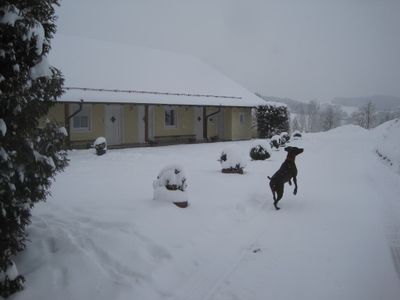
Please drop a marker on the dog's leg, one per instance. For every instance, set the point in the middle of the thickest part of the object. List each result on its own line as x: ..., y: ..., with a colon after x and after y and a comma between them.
x: 279, y: 192
x: 295, y: 185
x: 290, y: 182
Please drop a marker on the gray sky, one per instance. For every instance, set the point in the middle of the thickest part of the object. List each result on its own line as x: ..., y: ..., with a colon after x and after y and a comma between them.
x: 310, y: 49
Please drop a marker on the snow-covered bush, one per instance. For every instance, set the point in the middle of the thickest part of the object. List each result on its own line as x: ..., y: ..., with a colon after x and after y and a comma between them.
x: 285, y: 138
x: 232, y: 161
x: 170, y: 186
x: 100, y: 144
x: 275, y: 142
x: 260, y: 152
x: 30, y: 156
x: 296, y: 135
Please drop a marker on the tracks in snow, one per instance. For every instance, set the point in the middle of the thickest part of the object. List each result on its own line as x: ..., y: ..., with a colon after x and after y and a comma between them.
x: 221, y: 258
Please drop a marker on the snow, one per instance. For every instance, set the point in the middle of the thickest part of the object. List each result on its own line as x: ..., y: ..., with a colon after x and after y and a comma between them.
x: 3, y: 127
x: 3, y: 154
x: 88, y: 63
x: 234, y: 158
x: 11, y: 15
x: 63, y: 131
x: 36, y: 31
x: 11, y: 272
x: 172, y: 175
x: 388, y: 137
x: 100, y: 140
x: 41, y: 69
x: 101, y: 236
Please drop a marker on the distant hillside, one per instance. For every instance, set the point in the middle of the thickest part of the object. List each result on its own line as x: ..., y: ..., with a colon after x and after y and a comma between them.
x: 294, y: 105
x: 381, y: 102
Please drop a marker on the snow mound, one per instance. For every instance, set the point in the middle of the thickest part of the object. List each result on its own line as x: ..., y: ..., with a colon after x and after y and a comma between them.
x: 387, y: 138
x: 100, y: 140
x: 170, y: 185
x: 232, y: 158
x: 347, y: 129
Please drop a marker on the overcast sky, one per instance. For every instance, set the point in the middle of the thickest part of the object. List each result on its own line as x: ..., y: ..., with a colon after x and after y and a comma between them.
x: 305, y: 50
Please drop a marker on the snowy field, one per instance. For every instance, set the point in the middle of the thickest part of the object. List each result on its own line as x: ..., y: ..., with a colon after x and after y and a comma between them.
x: 101, y: 236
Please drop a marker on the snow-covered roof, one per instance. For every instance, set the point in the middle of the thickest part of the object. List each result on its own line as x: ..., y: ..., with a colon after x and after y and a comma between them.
x: 106, y: 72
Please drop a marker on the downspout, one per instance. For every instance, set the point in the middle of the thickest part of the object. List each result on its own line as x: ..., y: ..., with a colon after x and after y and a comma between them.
x: 206, y: 117
x: 67, y: 122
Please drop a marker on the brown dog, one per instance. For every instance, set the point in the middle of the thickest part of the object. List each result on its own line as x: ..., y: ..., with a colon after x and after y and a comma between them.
x: 286, y: 172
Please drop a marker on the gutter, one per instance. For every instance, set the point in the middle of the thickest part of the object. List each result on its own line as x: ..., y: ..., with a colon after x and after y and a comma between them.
x: 68, y: 118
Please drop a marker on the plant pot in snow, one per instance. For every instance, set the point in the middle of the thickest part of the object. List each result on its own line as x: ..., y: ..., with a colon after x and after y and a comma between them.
x: 231, y: 162
x: 170, y: 186
x: 296, y: 135
x: 100, y: 144
x: 259, y: 153
x: 275, y: 142
x: 285, y: 138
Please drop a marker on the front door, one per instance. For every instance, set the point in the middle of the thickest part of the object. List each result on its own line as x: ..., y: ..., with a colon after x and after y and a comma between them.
x: 113, y: 124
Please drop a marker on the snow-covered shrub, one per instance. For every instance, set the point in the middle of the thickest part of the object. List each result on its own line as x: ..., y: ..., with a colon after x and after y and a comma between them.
x: 260, y: 152
x: 285, y: 138
x: 30, y: 156
x: 275, y: 142
x: 232, y: 161
x: 170, y: 186
x: 296, y: 135
x: 100, y: 144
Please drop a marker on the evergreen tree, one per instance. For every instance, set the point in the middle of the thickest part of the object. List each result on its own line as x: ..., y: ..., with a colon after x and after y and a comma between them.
x: 272, y: 120
x: 30, y: 155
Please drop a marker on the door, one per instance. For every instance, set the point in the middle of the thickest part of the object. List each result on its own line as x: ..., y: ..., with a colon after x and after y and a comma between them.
x: 113, y: 124
x: 199, y: 126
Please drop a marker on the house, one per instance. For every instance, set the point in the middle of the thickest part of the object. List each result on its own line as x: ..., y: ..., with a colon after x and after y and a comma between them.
x: 133, y: 96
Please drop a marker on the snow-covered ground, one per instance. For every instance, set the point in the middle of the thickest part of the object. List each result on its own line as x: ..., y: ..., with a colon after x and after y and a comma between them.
x: 101, y: 236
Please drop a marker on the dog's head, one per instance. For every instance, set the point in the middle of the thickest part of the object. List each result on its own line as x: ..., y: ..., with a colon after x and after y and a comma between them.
x: 293, y: 151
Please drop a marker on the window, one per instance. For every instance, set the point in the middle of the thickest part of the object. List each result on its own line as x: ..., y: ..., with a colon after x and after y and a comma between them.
x: 170, y: 117
x: 241, y: 118
x: 82, y: 120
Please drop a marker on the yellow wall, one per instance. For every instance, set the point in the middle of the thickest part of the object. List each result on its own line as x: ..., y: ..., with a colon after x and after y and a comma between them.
x: 97, y: 125
x: 130, y: 124
x: 57, y: 113
x: 184, y: 119
x: 241, y: 131
x: 233, y: 130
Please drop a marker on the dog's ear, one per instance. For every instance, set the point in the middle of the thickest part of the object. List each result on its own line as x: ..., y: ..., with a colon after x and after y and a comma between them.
x: 287, y: 149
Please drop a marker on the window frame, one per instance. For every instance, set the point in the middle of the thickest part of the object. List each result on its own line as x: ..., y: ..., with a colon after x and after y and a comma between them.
x: 85, y: 112
x: 173, y: 109
x: 242, y: 118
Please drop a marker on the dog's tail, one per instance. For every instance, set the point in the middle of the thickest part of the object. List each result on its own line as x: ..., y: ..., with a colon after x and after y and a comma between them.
x: 269, y: 177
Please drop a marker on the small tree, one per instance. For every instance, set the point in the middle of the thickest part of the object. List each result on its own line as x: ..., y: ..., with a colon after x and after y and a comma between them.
x: 272, y: 120
x: 365, y: 116
x: 331, y: 117
x: 30, y: 155
x: 313, y: 113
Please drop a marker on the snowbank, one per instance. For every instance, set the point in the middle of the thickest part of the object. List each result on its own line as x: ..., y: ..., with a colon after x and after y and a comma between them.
x: 387, y: 138
x: 101, y: 237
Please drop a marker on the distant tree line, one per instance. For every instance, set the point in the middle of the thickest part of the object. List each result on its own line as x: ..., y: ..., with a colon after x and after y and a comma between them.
x: 315, y: 117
